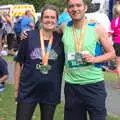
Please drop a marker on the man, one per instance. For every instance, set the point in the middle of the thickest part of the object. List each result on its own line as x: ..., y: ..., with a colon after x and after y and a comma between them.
x: 84, y: 79
x: 17, y: 29
x: 27, y: 21
x: 3, y: 74
x: 10, y: 34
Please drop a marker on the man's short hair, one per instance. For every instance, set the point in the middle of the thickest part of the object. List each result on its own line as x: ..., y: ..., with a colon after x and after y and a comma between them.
x: 27, y: 11
x: 85, y: 1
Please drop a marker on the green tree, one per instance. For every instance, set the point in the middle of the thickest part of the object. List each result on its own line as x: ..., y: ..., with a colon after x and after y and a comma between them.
x: 39, y: 3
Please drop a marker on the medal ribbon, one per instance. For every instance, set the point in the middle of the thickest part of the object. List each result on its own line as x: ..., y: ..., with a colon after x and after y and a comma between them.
x: 45, y: 54
x: 79, y: 41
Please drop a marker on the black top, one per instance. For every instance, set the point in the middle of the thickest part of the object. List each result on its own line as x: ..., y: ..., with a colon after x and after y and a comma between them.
x: 3, y: 67
x: 34, y: 86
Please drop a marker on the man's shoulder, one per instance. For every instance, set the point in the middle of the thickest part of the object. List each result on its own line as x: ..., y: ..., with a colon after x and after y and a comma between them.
x: 100, y: 28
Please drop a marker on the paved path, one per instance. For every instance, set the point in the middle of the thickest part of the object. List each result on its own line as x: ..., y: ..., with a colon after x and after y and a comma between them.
x: 113, y: 99
x: 11, y: 71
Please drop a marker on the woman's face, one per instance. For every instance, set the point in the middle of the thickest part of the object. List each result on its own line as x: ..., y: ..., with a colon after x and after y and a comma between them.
x: 49, y: 19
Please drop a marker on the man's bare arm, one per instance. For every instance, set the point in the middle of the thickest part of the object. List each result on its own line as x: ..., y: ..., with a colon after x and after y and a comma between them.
x: 109, y: 53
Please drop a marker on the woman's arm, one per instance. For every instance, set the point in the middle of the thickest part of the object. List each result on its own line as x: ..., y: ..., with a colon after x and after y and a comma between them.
x: 17, y: 73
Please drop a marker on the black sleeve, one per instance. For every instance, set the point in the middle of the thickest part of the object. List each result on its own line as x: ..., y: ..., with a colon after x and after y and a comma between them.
x: 21, y: 55
x: 63, y: 56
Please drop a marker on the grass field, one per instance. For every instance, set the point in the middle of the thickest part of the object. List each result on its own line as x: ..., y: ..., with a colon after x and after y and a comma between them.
x: 8, y: 58
x: 8, y: 104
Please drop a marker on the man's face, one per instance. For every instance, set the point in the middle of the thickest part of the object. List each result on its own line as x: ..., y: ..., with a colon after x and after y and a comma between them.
x: 76, y: 9
x: 29, y: 14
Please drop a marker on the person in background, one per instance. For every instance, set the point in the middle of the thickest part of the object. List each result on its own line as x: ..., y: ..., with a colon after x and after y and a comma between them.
x: 100, y: 4
x: 115, y: 32
x: 27, y: 22
x: 3, y: 73
x: 39, y: 68
x: 37, y: 24
x: 64, y: 17
x: 1, y: 34
x: 4, y: 39
x: 11, y: 42
x: 117, y: 1
x: 18, y: 30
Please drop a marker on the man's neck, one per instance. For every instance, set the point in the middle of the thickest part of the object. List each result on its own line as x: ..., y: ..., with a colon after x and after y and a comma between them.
x: 79, y: 24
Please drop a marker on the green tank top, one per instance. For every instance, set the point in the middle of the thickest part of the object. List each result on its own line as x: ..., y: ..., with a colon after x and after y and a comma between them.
x: 75, y: 72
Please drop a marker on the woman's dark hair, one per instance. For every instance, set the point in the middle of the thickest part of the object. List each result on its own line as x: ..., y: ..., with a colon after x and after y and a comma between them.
x: 50, y: 7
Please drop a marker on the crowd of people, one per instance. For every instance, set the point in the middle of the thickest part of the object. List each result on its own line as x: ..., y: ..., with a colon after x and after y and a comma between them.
x: 73, y: 52
x: 10, y: 32
x: 115, y: 33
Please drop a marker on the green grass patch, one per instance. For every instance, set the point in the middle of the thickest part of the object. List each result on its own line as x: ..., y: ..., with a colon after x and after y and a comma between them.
x: 7, y: 104
x: 8, y: 58
x: 112, y: 77
x: 8, y: 107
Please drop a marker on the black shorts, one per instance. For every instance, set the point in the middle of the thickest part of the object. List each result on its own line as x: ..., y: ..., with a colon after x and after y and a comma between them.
x: 117, y: 49
x: 80, y: 98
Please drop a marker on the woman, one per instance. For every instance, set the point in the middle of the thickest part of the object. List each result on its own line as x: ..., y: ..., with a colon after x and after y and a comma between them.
x: 39, y: 68
x: 115, y: 32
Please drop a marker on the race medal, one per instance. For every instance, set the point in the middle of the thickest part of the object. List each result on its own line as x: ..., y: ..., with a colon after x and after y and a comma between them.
x: 78, y: 44
x: 72, y: 63
x: 44, y: 69
x: 44, y: 66
x: 79, y: 57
